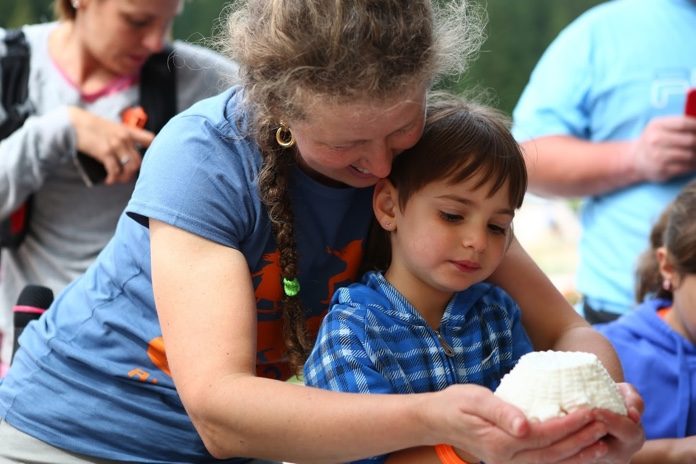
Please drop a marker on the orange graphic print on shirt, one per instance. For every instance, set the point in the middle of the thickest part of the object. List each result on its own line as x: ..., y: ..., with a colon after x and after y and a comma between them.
x: 351, y: 255
x: 270, y: 356
x: 270, y: 344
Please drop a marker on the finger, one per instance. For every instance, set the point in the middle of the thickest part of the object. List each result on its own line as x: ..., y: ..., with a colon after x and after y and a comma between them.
x: 113, y: 169
x: 624, y: 428
x: 552, y: 431
x: 592, y: 453
x: 632, y: 399
x: 673, y: 123
x: 678, y: 167
x: 141, y: 136
x: 679, y: 140
x: 570, y: 445
x: 504, y: 415
x: 625, y: 436
x: 129, y: 162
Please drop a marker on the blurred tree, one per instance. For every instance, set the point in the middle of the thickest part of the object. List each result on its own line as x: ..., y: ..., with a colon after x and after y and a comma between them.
x: 197, y: 20
x: 518, y: 32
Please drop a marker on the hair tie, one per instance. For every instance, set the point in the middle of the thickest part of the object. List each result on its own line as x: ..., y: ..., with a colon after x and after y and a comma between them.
x: 291, y: 287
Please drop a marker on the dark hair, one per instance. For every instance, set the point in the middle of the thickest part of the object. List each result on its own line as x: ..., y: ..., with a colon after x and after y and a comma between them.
x: 676, y: 231
x: 64, y: 9
x: 293, y: 54
x: 461, y: 138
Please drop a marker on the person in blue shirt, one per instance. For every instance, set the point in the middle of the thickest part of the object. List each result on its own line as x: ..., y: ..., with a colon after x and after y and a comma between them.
x: 251, y: 208
x: 429, y: 320
x: 657, y: 342
x: 602, y: 118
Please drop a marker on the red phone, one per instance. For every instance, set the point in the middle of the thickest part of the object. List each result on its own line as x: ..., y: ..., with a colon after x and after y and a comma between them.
x: 690, y: 107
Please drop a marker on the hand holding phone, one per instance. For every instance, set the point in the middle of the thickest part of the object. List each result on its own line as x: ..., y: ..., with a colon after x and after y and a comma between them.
x: 92, y: 170
x: 690, y: 106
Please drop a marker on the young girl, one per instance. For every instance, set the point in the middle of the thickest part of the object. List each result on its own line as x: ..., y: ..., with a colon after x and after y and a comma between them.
x: 429, y: 321
x: 250, y: 210
x: 657, y: 342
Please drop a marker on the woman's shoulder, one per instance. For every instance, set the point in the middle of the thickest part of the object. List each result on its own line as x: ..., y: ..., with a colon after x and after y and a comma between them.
x: 35, y: 36
x: 38, y: 33
x: 211, y: 132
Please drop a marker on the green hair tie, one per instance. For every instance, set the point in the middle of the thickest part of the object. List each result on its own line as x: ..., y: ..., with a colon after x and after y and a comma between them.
x: 291, y: 287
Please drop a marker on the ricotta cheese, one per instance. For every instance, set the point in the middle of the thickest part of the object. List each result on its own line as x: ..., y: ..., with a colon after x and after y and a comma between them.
x: 547, y: 384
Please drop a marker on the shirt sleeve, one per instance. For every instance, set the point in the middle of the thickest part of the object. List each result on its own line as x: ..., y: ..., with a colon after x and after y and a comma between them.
x: 31, y: 153
x: 199, y: 177
x: 554, y: 100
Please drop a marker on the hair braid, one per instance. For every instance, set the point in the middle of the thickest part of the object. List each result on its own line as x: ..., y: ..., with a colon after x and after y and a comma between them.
x: 273, y: 187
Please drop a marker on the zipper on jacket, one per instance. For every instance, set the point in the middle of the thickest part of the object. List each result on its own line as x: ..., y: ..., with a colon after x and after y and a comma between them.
x: 449, y: 351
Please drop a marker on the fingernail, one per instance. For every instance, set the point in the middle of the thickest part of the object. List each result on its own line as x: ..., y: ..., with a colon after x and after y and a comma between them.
x: 517, y: 425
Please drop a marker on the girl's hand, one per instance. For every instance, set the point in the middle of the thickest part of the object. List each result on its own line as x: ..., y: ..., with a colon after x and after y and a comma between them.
x: 114, y: 145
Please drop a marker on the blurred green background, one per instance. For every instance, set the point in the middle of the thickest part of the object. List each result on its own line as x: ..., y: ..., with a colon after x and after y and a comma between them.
x: 518, y: 32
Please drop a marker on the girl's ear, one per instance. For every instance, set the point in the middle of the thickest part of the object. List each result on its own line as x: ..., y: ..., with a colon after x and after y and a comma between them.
x: 666, y: 266
x: 384, y: 203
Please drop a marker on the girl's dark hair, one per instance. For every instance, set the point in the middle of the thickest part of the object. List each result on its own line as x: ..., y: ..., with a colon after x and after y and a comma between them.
x: 676, y: 231
x: 460, y: 139
x: 293, y: 54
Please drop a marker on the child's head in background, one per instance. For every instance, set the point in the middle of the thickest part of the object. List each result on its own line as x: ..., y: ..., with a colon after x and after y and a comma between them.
x: 667, y: 269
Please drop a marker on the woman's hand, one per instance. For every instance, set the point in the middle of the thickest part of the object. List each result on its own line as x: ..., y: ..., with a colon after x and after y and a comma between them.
x: 626, y: 435
x: 114, y: 145
x: 471, y: 418
x: 497, y: 432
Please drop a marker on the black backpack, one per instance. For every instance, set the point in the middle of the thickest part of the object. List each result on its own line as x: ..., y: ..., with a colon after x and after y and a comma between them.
x: 157, y: 97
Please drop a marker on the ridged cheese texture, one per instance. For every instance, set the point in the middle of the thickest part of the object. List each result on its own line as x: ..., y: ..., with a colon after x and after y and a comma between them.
x: 547, y: 384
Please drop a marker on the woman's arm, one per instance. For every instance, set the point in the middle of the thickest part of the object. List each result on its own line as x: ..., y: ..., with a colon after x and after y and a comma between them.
x: 568, y: 166
x: 550, y: 321
x: 207, y: 312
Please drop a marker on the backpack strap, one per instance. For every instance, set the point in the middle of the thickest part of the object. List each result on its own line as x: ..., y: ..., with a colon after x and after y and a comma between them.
x: 14, y: 79
x: 158, y: 89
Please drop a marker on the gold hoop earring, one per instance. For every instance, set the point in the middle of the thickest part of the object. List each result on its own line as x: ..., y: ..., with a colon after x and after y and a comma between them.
x: 284, y: 136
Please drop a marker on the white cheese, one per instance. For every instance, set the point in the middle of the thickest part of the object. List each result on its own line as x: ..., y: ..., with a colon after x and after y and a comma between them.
x: 546, y: 384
